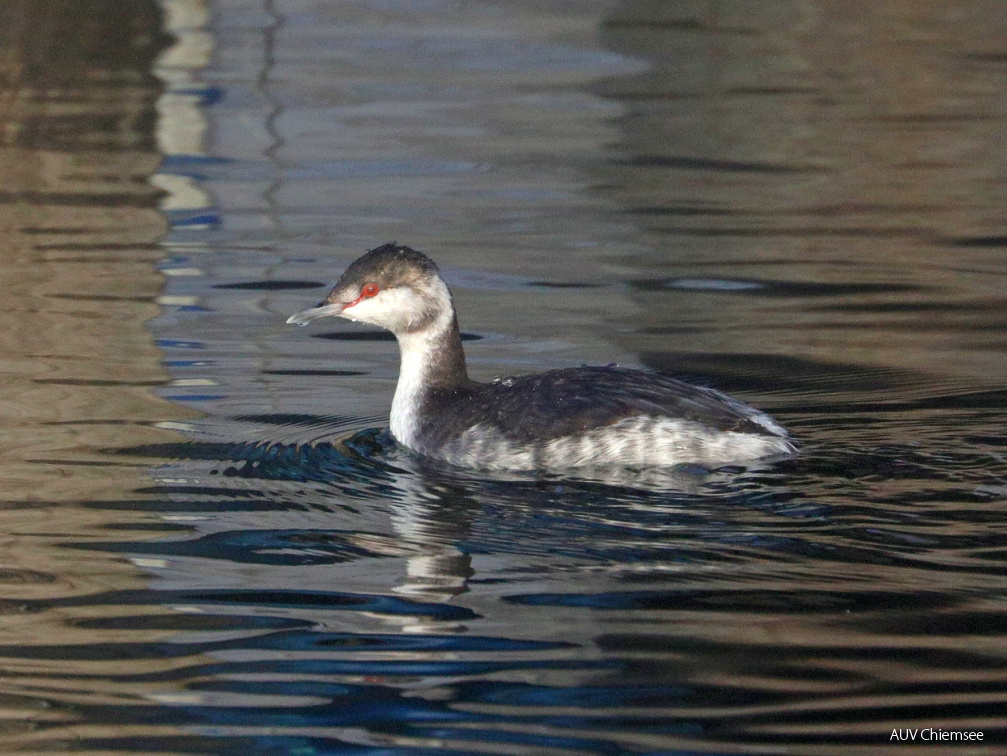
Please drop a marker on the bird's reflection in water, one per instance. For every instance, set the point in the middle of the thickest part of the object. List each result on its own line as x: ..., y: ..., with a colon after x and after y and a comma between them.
x: 438, y: 570
x: 357, y: 514
x: 432, y: 509
x: 429, y: 520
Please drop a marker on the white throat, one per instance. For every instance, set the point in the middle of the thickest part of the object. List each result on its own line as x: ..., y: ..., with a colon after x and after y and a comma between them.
x: 418, y: 351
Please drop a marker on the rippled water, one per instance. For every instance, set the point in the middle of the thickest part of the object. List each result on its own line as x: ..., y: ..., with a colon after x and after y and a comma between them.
x: 212, y: 546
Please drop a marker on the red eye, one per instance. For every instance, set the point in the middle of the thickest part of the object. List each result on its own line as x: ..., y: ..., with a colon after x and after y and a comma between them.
x: 370, y: 289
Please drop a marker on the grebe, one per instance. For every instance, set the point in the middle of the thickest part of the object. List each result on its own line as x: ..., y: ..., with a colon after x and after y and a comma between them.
x: 569, y: 418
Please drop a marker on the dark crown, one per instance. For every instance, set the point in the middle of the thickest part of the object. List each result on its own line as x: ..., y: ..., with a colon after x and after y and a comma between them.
x: 389, y: 265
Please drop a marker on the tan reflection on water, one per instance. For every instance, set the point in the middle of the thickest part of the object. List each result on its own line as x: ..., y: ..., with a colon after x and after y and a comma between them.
x: 78, y: 239
x: 856, y: 145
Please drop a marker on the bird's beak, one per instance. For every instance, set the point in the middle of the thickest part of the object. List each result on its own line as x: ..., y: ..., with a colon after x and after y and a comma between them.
x: 323, y: 309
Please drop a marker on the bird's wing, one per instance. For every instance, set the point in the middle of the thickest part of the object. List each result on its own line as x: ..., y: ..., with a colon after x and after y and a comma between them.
x: 575, y: 400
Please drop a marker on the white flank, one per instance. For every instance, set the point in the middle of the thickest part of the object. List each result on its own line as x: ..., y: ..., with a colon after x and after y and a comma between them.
x: 639, y: 441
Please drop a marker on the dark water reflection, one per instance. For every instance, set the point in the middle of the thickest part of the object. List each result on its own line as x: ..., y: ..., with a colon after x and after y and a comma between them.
x: 212, y: 547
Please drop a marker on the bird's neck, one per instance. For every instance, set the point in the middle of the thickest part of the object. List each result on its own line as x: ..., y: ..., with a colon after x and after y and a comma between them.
x: 432, y: 360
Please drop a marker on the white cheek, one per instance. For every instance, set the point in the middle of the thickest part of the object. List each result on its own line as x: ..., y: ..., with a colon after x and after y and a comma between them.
x: 360, y: 312
x: 393, y: 309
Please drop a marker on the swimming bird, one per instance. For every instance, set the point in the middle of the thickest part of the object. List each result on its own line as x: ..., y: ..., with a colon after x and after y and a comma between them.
x: 557, y: 420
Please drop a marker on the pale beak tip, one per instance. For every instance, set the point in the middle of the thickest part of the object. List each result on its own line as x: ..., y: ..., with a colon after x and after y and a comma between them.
x: 323, y: 310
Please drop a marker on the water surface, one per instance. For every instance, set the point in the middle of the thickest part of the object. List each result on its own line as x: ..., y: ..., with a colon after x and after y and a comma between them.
x: 212, y: 545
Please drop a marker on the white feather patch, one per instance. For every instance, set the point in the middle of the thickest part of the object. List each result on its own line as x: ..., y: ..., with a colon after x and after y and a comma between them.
x: 636, y: 441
